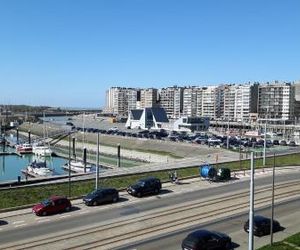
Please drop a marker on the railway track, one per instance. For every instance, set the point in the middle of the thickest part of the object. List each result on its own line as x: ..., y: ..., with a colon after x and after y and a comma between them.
x: 128, y: 230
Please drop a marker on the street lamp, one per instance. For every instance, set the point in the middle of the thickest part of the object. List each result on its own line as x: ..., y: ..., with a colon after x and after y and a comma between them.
x: 265, y: 144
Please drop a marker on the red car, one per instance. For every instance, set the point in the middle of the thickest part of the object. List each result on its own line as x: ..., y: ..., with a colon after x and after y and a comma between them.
x: 54, y: 204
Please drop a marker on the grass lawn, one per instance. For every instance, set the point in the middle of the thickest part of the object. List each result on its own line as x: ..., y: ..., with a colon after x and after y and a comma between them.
x: 277, y: 246
x: 30, y: 195
x: 294, y: 239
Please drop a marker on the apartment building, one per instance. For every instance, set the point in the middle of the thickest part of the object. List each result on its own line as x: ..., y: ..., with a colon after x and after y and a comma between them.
x: 148, y: 98
x: 209, y: 102
x: 121, y: 100
x: 171, y: 99
x: 276, y: 101
x: 192, y: 101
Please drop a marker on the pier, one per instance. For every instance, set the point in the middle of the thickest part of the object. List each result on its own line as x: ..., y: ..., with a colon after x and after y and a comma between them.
x: 10, y: 153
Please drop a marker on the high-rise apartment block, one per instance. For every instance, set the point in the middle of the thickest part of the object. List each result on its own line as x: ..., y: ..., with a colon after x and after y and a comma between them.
x: 171, y: 100
x: 276, y: 101
x: 239, y: 102
x: 192, y: 101
x: 120, y: 101
x: 148, y: 98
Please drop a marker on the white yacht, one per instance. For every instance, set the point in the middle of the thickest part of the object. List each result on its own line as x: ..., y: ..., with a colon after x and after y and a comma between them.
x: 39, y: 168
x: 42, y: 150
x: 78, y: 166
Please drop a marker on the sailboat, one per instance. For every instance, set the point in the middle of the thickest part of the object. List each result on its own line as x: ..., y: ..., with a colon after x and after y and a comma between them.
x: 41, y: 149
x: 39, y: 168
x: 79, y: 166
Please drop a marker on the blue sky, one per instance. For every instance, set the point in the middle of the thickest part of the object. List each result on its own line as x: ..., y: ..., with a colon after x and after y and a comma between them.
x: 68, y: 52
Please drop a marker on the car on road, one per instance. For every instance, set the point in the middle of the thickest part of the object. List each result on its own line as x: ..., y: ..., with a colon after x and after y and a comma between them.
x: 262, y: 225
x: 52, y: 205
x: 101, y: 196
x: 149, y: 185
x: 282, y: 143
x: 205, y: 239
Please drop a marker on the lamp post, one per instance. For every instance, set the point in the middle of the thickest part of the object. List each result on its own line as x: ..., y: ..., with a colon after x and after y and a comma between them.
x: 228, y: 134
x: 251, y: 212
x: 69, y: 165
x: 97, y: 165
x: 272, y: 204
x: 265, y: 145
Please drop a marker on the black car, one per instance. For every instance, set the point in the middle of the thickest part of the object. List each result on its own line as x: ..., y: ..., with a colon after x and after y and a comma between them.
x: 150, y: 185
x: 292, y: 143
x: 283, y: 143
x: 262, y: 225
x: 204, y: 240
x: 100, y: 196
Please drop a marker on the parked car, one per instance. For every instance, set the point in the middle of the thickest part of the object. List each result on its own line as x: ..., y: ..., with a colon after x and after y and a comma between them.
x: 262, y: 225
x: 100, y: 196
x: 150, y: 185
x: 283, y: 143
x: 204, y: 240
x: 292, y: 143
x: 53, y: 205
x: 275, y: 142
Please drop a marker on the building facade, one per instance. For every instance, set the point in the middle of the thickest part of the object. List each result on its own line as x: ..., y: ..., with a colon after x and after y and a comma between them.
x: 171, y: 99
x: 276, y: 101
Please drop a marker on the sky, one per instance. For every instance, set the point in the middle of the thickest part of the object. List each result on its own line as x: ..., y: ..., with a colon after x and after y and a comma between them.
x: 69, y: 52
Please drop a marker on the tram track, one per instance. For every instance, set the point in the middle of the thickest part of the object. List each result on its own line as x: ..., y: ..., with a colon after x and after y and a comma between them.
x: 169, y: 219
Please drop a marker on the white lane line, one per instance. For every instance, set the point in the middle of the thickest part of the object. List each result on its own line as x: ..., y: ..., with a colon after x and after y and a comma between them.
x: 44, y: 220
x: 64, y: 216
x: 21, y: 225
x: 84, y: 212
x: 18, y: 222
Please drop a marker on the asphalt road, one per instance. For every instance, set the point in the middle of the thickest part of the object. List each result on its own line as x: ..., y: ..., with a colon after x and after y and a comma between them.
x: 288, y: 214
x: 78, y: 219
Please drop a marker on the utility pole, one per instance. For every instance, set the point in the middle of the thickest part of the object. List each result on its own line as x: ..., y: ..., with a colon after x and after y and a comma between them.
x: 97, y: 164
x: 119, y: 155
x: 265, y: 145
x: 69, y: 165
x: 272, y: 205
x: 228, y: 134
x: 251, y: 212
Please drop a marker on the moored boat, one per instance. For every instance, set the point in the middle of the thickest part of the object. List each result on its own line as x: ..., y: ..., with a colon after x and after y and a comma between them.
x: 25, y: 148
x: 39, y: 168
x: 78, y: 167
x: 42, y: 150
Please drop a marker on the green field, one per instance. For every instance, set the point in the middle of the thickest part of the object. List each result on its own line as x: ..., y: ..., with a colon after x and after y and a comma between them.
x: 30, y: 195
x: 290, y: 243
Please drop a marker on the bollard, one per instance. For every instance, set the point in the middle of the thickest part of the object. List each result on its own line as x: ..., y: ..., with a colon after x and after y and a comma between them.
x: 29, y: 137
x: 17, y: 136
x: 74, y: 149
x: 84, y: 159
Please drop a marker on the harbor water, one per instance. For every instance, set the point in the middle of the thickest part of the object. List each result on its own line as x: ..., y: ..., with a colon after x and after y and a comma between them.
x: 11, y: 165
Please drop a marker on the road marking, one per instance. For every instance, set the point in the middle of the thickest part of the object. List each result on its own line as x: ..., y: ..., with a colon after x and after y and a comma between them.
x: 64, y: 216
x: 84, y: 212
x: 21, y: 225
x: 18, y: 222
x: 44, y: 220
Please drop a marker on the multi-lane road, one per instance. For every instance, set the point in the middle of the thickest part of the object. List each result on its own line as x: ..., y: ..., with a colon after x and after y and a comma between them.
x: 157, y: 222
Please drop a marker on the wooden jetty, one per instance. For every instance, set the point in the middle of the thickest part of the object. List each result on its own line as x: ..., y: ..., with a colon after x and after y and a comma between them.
x: 10, y: 153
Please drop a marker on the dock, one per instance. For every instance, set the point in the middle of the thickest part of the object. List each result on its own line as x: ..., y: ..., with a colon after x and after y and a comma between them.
x: 10, y: 153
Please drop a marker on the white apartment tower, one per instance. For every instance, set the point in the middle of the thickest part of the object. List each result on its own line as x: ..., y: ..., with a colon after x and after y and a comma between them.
x: 209, y: 95
x: 192, y: 101
x: 276, y: 101
x: 148, y: 98
x: 171, y: 101
x: 120, y: 100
